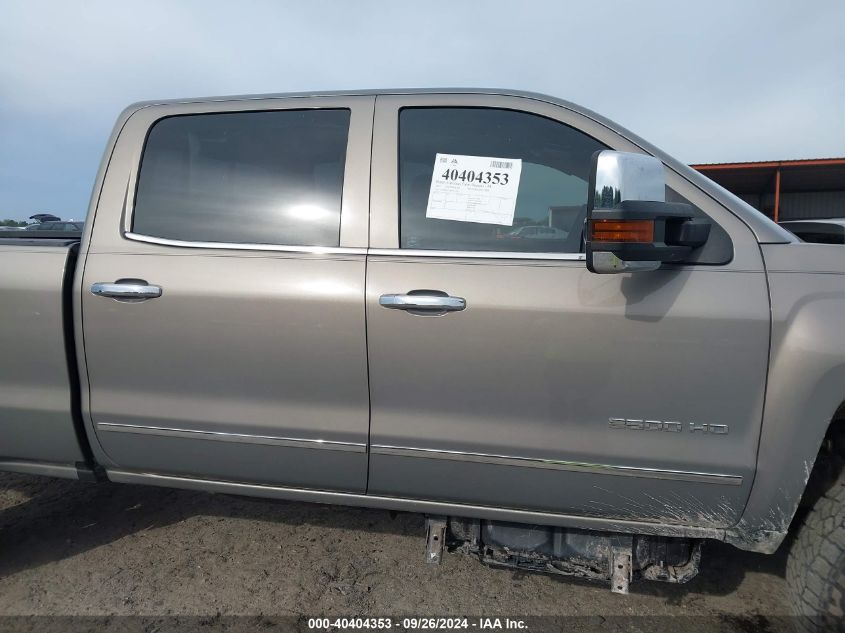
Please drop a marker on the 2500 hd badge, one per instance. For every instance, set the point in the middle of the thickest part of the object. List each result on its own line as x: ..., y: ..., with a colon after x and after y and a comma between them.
x: 673, y: 426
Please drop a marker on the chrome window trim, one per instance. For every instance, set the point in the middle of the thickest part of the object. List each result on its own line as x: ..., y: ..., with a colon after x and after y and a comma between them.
x: 245, y: 246
x: 554, y: 464
x: 346, y: 250
x: 409, y: 252
x: 354, y: 210
x: 243, y: 438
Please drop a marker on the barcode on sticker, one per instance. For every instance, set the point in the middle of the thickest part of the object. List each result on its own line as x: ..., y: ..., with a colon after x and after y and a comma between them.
x: 500, y: 164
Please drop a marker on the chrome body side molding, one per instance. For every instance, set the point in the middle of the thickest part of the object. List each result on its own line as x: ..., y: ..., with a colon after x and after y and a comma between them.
x: 425, y: 453
x: 233, y: 437
x: 46, y: 469
x: 531, y: 462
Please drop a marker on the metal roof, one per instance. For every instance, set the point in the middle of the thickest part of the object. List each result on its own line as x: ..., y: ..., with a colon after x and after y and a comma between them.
x: 813, y: 174
x: 791, y: 162
x: 763, y: 164
x: 766, y: 181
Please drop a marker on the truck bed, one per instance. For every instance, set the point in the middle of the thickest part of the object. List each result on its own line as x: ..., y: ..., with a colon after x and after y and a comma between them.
x: 37, y: 386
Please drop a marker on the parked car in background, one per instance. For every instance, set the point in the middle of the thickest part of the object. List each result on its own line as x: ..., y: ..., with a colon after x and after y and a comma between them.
x: 827, y: 231
x: 308, y: 297
x: 56, y: 226
x: 538, y: 233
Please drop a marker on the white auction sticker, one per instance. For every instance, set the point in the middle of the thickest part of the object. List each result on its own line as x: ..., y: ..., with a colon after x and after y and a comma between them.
x: 474, y: 189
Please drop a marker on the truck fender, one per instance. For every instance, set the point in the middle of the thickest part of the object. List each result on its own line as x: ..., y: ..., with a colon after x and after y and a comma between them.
x: 806, y: 388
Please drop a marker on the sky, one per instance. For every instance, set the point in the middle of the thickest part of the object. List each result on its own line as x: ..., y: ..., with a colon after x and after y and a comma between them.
x: 720, y: 81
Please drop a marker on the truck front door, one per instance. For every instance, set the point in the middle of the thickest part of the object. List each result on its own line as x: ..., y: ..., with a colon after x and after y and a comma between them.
x: 503, y: 373
x: 223, y: 310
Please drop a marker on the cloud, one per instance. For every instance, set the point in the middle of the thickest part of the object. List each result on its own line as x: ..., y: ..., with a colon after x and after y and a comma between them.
x: 718, y: 81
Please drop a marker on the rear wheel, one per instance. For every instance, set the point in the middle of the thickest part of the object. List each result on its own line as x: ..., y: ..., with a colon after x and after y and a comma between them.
x: 815, y: 572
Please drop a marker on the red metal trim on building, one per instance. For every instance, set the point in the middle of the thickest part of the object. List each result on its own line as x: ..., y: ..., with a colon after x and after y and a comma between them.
x: 811, y: 162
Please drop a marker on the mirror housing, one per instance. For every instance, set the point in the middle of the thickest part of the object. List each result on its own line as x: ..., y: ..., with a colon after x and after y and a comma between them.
x: 630, y: 226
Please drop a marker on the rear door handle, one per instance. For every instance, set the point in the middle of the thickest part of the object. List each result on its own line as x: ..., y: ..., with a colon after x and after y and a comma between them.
x: 126, y: 289
x: 423, y: 302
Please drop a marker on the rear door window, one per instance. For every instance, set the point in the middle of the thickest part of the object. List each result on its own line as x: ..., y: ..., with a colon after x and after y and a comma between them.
x: 273, y: 177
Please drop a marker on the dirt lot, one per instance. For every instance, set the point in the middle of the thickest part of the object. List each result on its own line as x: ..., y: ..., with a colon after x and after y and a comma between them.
x: 82, y: 549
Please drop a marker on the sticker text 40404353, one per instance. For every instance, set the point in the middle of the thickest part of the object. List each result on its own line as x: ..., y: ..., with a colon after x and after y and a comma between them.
x: 484, y: 177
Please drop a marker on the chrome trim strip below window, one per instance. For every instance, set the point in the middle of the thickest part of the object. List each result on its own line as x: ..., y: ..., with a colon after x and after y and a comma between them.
x: 554, y: 464
x: 344, y: 250
x: 233, y: 437
x: 313, y: 250
x: 410, y: 252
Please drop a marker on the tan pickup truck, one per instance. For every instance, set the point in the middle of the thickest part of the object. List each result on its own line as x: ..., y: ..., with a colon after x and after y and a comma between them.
x: 573, y: 353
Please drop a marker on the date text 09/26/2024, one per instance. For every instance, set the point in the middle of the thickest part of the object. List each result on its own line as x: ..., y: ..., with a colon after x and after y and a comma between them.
x: 410, y: 623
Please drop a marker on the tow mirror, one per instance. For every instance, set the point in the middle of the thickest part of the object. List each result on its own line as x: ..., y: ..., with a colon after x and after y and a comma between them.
x: 630, y: 226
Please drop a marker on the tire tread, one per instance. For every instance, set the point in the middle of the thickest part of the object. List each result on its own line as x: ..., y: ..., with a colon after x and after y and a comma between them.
x: 815, y: 570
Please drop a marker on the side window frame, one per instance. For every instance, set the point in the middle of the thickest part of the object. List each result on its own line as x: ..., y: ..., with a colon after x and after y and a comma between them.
x: 384, y: 205
x: 237, y: 244
x: 111, y: 229
x: 529, y: 230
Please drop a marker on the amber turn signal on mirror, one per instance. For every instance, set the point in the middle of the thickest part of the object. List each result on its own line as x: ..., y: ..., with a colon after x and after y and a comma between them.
x: 641, y: 231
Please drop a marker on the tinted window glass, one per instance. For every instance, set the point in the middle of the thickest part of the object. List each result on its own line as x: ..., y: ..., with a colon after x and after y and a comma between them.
x: 244, y: 177
x: 552, y: 191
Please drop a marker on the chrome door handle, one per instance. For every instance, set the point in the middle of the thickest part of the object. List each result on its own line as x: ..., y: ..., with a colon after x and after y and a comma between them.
x: 423, y: 302
x: 135, y: 289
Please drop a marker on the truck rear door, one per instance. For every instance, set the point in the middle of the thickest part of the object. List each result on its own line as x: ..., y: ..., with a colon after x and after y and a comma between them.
x: 223, y: 293
x: 38, y: 430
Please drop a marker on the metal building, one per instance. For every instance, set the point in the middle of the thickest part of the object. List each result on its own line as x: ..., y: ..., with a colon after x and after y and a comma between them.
x: 786, y: 189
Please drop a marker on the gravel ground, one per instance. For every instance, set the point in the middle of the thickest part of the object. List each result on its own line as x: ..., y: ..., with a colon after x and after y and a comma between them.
x: 110, y: 549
